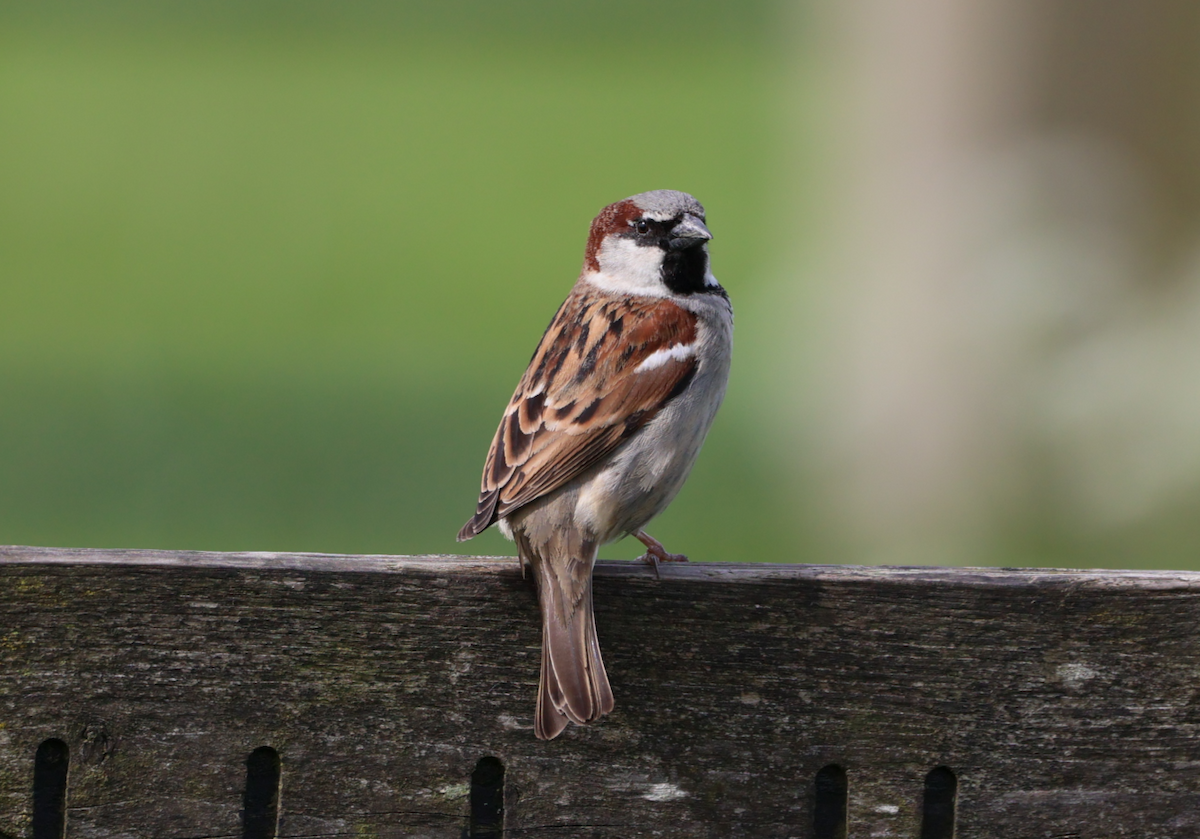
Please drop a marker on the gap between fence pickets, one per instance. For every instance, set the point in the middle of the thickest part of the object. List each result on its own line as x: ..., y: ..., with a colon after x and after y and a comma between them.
x: 728, y: 572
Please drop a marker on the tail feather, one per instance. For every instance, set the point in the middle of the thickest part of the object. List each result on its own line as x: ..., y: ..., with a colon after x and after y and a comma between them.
x: 573, y: 686
x: 548, y: 719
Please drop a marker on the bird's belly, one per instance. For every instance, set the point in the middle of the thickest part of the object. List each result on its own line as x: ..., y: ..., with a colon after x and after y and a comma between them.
x: 644, y: 477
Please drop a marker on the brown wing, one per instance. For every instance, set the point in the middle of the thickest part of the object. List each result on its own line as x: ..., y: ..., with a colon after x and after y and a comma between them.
x: 583, y: 395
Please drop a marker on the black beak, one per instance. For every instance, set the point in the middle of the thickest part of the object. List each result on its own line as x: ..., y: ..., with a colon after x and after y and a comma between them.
x: 688, y: 233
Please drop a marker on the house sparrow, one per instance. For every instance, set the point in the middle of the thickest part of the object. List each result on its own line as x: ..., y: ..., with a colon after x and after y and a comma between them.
x: 605, y: 426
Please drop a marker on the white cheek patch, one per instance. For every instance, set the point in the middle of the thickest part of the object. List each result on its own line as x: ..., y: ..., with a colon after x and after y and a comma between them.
x: 626, y: 267
x: 710, y: 280
x: 675, y: 352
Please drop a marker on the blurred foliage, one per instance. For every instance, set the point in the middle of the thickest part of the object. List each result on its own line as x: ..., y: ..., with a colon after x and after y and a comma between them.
x: 270, y: 270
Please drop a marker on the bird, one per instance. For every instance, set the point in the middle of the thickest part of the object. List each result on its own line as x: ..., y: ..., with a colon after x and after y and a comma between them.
x: 605, y: 425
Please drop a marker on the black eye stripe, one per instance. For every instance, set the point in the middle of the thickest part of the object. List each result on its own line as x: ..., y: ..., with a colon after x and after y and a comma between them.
x: 649, y: 227
x: 660, y: 225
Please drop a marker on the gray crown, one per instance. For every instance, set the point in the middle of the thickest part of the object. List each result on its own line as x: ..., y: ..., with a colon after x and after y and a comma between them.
x: 664, y: 204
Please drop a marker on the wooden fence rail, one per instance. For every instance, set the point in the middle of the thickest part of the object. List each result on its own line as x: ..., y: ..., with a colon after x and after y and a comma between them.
x: 194, y: 696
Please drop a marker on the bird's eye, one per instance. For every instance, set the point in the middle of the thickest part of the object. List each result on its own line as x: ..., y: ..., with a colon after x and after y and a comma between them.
x: 642, y: 226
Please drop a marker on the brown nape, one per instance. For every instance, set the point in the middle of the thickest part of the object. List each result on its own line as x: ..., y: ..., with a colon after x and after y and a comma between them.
x: 612, y: 218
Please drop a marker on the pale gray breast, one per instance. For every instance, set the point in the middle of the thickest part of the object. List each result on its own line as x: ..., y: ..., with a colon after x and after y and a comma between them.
x: 651, y: 468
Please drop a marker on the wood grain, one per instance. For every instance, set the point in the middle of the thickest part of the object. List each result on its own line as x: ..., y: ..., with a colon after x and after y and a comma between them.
x: 1066, y: 703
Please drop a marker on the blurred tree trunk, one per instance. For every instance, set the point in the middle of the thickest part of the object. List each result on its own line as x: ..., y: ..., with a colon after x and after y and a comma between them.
x: 1128, y: 72
x: 1014, y: 309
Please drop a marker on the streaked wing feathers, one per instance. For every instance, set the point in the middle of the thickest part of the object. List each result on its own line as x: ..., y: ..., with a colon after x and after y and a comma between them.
x: 583, y: 394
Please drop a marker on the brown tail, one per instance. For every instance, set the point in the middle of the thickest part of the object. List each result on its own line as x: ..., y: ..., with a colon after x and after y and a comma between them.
x: 574, y: 685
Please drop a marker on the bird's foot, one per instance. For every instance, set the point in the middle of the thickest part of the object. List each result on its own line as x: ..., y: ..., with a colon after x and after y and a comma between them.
x: 655, y: 552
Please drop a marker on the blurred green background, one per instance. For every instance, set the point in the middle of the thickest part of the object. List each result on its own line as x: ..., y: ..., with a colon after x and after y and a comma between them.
x: 269, y: 271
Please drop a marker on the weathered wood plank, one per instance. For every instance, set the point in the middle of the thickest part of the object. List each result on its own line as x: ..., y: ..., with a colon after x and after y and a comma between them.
x: 1067, y: 703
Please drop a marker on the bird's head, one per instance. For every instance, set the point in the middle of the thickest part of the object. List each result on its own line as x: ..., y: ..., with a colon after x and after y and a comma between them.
x: 654, y: 243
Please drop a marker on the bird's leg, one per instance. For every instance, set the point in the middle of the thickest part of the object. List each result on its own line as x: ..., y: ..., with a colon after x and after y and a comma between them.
x: 655, y: 552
